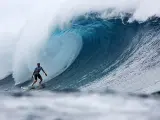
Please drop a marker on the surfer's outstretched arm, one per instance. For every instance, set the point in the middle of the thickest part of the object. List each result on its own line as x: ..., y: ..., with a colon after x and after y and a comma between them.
x: 44, y: 72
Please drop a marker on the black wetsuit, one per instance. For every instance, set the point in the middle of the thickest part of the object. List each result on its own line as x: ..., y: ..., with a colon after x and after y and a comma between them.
x: 37, y: 72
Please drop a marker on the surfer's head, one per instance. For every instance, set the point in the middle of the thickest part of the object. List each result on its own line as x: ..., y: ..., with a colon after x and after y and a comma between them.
x: 38, y: 64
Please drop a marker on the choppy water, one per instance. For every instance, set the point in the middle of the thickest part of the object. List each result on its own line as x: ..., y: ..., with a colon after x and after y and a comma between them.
x: 43, y: 105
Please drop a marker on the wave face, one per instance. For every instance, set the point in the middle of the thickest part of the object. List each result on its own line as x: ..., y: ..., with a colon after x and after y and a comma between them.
x: 86, y: 44
x: 133, y: 63
x: 104, y: 44
x: 115, y: 54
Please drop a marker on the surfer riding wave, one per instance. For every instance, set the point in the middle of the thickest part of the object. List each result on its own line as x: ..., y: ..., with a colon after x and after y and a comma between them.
x: 36, y: 74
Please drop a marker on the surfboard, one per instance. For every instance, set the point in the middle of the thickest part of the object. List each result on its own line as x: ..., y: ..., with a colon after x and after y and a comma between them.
x: 28, y: 88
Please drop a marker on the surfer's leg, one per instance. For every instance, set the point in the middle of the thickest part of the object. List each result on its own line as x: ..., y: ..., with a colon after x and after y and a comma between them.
x: 34, y: 80
x: 40, y: 77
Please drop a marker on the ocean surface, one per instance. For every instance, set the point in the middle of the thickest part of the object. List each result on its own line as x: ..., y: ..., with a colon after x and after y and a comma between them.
x: 102, y: 58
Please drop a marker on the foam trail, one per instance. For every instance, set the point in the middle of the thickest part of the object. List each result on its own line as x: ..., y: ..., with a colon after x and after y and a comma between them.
x: 26, y: 28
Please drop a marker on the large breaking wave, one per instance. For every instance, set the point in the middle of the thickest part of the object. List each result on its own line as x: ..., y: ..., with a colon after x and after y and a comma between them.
x: 88, y: 44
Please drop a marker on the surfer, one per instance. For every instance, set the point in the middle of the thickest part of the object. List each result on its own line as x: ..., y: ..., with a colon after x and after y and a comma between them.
x: 36, y: 74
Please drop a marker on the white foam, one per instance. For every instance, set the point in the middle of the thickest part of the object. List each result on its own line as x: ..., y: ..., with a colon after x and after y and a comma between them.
x: 50, y: 106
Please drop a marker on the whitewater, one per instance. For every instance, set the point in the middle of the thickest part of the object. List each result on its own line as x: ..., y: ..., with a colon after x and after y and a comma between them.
x: 102, y: 58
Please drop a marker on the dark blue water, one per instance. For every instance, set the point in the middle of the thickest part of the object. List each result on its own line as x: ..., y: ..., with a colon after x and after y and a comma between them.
x: 107, y: 43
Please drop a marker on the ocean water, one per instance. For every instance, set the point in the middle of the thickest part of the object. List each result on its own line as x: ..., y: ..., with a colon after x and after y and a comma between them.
x: 101, y: 57
x: 77, y: 106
